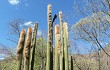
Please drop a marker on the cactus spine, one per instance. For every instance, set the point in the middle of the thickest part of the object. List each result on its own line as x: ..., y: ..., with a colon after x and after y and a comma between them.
x: 49, y: 41
x: 57, y: 46
x: 33, y: 45
x: 20, y: 49
x: 27, y: 49
x: 66, y: 45
x: 62, y: 42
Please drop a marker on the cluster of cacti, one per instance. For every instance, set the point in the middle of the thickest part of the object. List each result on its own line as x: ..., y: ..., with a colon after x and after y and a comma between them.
x: 28, y: 48
x: 61, y: 46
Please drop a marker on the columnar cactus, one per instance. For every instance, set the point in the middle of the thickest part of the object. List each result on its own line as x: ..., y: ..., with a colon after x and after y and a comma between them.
x: 33, y: 45
x: 62, y: 43
x: 20, y: 49
x: 57, y: 46
x: 71, y: 63
x: 66, y: 45
x: 49, y: 41
x: 27, y: 49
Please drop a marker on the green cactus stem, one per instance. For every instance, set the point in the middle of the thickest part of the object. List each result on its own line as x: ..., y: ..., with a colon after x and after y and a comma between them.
x: 62, y: 62
x: 66, y: 45
x: 57, y: 46
x: 27, y: 49
x: 20, y: 49
x: 49, y: 41
x: 71, y: 62
x: 33, y: 45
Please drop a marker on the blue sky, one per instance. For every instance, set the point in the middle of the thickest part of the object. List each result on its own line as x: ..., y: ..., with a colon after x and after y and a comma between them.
x: 31, y: 11
x: 36, y: 11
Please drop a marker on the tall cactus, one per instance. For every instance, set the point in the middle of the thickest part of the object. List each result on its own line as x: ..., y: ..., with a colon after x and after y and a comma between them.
x: 61, y: 45
x: 20, y: 49
x: 57, y: 46
x: 71, y: 63
x: 33, y: 45
x: 27, y: 49
x: 62, y: 63
x: 50, y: 40
x: 66, y: 45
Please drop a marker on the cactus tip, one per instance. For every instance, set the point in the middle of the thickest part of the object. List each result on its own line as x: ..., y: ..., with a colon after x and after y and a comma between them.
x: 60, y: 12
x: 23, y: 32
x: 57, y: 30
x: 49, y: 5
x: 29, y: 31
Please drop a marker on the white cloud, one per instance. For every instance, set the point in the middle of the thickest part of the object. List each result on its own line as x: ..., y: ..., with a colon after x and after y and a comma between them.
x: 14, y: 2
x: 39, y: 33
x: 101, y: 43
x: 1, y: 58
x: 1, y: 54
x: 27, y: 24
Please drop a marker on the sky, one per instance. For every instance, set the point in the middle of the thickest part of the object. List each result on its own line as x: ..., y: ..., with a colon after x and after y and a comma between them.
x: 36, y: 11
x: 33, y: 11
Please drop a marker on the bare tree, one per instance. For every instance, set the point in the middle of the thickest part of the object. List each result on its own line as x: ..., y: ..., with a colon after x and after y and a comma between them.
x: 94, y: 26
x: 15, y: 29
